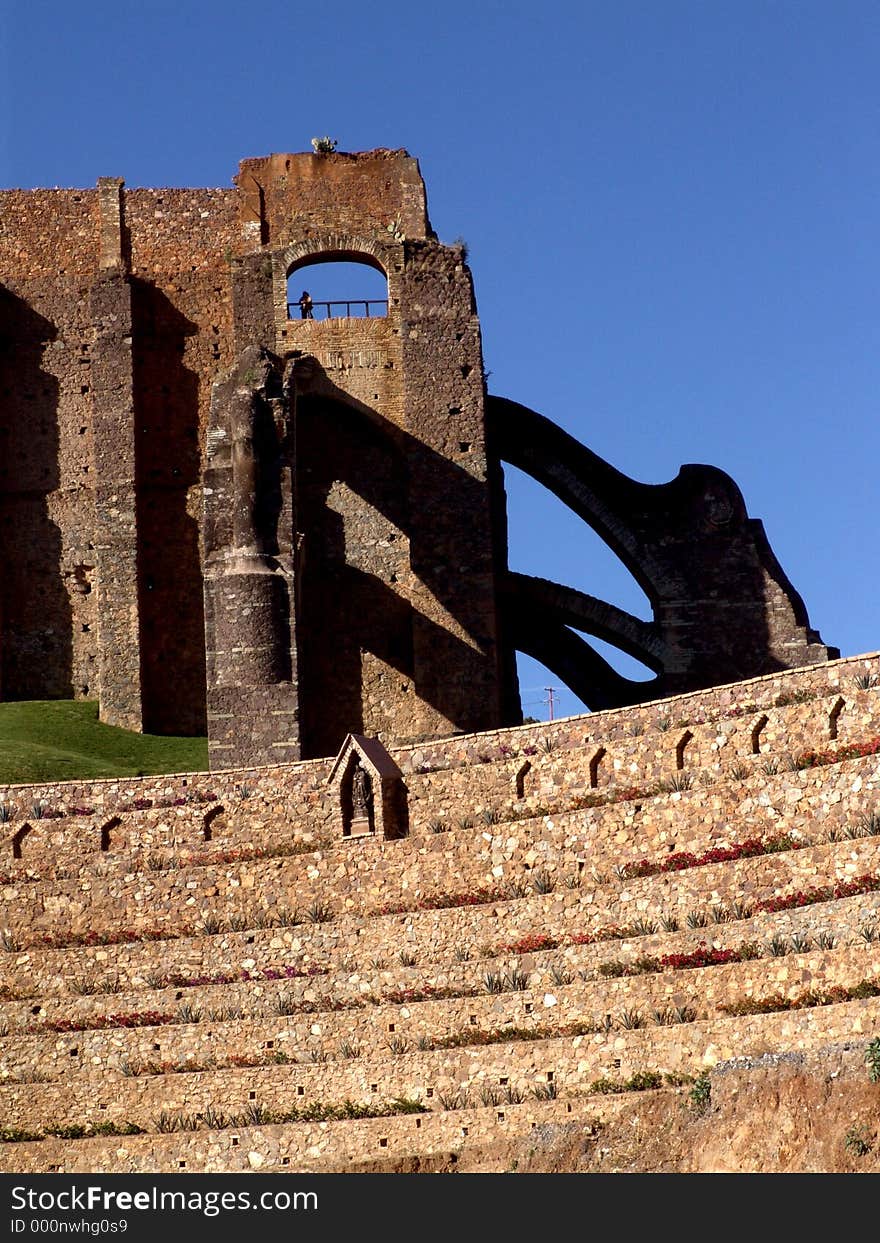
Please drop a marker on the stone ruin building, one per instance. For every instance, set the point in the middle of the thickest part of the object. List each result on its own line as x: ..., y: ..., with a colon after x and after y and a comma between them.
x: 217, y: 516
x: 644, y: 937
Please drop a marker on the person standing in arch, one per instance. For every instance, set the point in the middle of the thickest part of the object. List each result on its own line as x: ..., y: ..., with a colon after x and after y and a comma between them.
x: 305, y: 305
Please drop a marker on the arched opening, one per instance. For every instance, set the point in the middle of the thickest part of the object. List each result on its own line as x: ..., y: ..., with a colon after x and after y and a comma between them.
x: 339, y: 286
x: 834, y: 718
x: 541, y: 530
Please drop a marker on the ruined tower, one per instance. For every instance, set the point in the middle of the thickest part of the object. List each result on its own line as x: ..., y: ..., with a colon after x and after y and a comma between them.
x: 349, y: 560
x: 219, y: 517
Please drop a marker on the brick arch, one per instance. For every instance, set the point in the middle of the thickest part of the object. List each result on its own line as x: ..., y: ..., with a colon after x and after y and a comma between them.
x: 373, y: 252
x: 335, y: 248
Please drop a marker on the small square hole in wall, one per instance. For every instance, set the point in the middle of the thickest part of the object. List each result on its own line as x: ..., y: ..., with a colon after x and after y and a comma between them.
x: 235, y: 1141
x: 252, y: 1096
x: 156, y: 1048
x: 374, y: 1087
x: 383, y: 1143
x: 249, y: 941
x: 300, y: 1091
x: 418, y: 1124
x: 181, y: 1165
x: 285, y: 1160
x: 464, y: 1130
x: 501, y: 1117
x: 429, y: 1092
x: 74, y: 1052
x: 568, y: 1109
x: 529, y: 1007
x: 391, y: 1027
x: 617, y: 1063
x: 504, y: 1081
x: 549, y: 1076
x: 473, y: 1020
x: 102, y: 1106
x: 270, y: 1044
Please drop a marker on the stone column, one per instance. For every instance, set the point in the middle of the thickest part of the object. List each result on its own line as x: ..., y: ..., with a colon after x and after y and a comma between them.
x: 253, y: 707
x: 116, y: 536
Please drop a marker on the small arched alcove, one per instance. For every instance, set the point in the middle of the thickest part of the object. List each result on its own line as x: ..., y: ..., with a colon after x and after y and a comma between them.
x: 681, y: 747
x: 757, y: 730
x: 834, y: 717
x: 18, y: 840
x: 519, y: 779
x: 107, y: 832
x: 337, y: 285
x: 595, y: 766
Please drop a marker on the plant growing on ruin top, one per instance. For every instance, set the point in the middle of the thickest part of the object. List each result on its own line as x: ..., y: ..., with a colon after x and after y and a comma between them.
x: 324, y: 146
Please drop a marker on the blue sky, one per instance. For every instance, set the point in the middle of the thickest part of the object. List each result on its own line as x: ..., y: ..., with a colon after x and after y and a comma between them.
x: 672, y: 209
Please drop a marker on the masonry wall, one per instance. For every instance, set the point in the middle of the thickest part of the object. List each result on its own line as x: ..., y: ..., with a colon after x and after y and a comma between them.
x: 172, y: 250
x: 102, y: 554
x: 205, y: 945
x: 468, y: 785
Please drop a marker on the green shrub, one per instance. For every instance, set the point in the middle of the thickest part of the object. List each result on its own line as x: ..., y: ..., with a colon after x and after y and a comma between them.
x: 872, y: 1057
x: 701, y: 1093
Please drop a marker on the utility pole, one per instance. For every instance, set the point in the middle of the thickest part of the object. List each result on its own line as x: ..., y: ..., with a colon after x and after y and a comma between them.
x: 551, y: 691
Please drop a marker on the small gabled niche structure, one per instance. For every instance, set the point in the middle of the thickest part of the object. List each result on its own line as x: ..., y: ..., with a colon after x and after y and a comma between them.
x: 367, y: 791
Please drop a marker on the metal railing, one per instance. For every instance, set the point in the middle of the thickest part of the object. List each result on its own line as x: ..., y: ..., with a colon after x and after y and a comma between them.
x: 294, y: 311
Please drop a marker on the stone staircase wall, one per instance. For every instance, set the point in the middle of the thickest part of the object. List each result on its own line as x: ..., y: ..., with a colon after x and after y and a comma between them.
x: 220, y: 952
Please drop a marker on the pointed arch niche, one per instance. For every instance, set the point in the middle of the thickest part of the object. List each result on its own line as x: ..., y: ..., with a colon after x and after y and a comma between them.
x: 367, y: 791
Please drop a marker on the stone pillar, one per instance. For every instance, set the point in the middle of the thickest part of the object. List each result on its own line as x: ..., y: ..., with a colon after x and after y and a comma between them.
x: 116, y: 534
x: 253, y: 708
x: 457, y: 663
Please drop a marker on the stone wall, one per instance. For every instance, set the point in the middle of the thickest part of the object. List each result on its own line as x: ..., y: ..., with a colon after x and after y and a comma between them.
x: 209, y: 952
x: 106, y: 419
x: 554, y: 763
x: 383, y: 598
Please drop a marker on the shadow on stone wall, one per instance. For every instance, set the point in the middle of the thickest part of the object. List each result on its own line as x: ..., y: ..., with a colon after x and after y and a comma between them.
x: 349, y: 601
x: 35, y: 614
x: 166, y: 409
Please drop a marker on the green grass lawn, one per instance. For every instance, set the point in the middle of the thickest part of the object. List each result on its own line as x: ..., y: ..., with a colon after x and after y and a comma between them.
x: 61, y: 740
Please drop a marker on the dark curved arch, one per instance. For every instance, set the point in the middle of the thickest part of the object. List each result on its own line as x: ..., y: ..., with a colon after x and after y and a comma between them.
x: 723, y: 608
x: 570, y: 607
x: 576, y: 663
x: 620, y: 509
